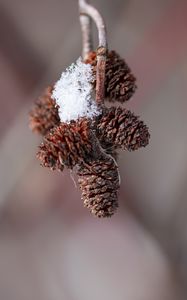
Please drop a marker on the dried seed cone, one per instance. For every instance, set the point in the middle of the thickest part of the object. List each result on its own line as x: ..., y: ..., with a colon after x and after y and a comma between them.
x: 119, y: 81
x: 67, y: 145
x: 120, y: 128
x: 49, y: 156
x: 99, y: 183
x: 44, y: 115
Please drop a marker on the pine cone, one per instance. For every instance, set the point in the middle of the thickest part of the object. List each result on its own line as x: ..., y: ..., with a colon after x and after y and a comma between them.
x: 120, y: 128
x: 99, y: 183
x: 44, y: 115
x: 49, y: 156
x: 119, y: 81
x: 67, y: 145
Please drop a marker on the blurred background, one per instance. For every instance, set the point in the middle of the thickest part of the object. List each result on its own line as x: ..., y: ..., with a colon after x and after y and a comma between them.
x: 50, y: 246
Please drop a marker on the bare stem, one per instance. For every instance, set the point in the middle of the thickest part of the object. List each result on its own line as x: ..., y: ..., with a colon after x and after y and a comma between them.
x: 85, y: 22
x: 89, y: 10
x: 100, y: 75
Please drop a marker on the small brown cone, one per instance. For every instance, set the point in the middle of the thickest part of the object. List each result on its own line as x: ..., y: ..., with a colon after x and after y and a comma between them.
x: 44, y: 115
x: 67, y: 145
x: 99, y: 183
x: 49, y: 156
x: 119, y: 81
x: 120, y: 128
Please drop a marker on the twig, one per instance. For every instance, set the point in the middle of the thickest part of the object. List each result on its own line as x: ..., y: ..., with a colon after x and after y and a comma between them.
x: 85, y: 21
x: 89, y: 10
x: 100, y: 75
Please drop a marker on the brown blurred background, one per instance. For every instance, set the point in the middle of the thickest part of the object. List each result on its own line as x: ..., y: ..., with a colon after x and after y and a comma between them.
x: 50, y: 246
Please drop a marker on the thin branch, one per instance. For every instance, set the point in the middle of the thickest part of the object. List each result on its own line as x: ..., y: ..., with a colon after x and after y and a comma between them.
x: 85, y: 22
x: 89, y: 10
x: 100, y: 75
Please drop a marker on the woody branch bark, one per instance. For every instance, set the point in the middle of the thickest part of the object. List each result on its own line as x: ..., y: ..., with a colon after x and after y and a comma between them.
x: 89, y: 10
x: 85, y: 22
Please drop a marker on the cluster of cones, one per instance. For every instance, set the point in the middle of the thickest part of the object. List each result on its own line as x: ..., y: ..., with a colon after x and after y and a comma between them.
x: 89, y: 146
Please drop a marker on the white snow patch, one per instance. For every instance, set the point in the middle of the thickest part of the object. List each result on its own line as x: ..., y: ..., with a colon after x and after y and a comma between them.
x: 72, y: 93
